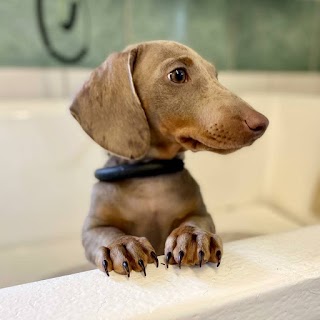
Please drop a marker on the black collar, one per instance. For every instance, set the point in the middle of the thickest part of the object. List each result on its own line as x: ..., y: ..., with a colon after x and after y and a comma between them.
x: 139, y: 169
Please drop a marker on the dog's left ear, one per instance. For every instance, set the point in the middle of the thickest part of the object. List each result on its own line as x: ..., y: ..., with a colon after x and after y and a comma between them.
x: 109, y: 110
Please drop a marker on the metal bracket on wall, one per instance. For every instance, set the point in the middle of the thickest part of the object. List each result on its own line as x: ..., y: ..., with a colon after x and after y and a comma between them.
x: 67, y: 26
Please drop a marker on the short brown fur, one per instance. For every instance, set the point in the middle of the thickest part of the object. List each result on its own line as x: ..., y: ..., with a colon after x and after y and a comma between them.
x: 132, y: 108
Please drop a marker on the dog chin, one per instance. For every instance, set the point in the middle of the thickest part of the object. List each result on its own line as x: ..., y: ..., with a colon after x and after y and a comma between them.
x: 225, y: 151
x: 219, y: 151
x: 195, y: 145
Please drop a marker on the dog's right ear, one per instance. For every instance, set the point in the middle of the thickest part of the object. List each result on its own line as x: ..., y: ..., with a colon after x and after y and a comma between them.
x: 109, y: 110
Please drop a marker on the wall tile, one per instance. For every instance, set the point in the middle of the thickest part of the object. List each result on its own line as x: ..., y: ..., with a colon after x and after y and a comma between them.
x: 247, y: 34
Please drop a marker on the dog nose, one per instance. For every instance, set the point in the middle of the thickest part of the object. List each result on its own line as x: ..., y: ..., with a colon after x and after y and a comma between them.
x: 257, y: 123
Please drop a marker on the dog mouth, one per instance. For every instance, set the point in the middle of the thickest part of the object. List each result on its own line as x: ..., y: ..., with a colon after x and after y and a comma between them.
x: 190, y: 143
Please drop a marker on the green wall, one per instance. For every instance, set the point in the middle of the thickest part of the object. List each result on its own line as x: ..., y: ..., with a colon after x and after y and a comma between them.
x: 234, y: 34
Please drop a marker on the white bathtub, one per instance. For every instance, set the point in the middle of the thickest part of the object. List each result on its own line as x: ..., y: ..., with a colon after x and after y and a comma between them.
x: 47, y: 166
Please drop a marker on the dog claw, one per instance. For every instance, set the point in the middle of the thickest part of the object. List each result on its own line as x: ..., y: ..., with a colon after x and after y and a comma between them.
x: 105, y: 266
x: 141, y: 264
x: 218, y: 255
x: 168, y: 257
x: 126, y: 268
x: 155, y: 258
x: 201, y: 255
x: 181, y: 255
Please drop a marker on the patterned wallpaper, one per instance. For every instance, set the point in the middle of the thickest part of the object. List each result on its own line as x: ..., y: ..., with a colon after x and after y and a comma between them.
x: 234, y: 34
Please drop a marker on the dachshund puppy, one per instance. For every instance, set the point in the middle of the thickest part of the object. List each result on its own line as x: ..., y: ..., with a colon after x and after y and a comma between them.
x: 156, y: 100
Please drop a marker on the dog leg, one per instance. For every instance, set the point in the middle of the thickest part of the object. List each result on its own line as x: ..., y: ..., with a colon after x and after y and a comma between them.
x: 194, y: 242
x: 110, y: 249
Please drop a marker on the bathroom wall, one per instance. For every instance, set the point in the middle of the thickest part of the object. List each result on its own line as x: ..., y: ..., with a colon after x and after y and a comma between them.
x: 247, y: 34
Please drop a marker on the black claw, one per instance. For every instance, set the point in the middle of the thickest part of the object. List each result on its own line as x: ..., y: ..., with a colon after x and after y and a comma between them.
x: 141, y: 264
x: 105, y: 266
x: 218, y: 255
x: 126, y: 268
x: 168, y: 257
x: 155, y: 258
x: 181, y: 255
x: 201, y: 255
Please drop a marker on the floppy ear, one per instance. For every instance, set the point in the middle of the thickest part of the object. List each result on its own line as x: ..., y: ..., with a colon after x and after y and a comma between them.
x: 109, y: 110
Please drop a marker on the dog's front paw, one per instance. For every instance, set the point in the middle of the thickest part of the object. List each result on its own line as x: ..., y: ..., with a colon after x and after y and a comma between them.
x: 126, y: 254
x: 188, y: 245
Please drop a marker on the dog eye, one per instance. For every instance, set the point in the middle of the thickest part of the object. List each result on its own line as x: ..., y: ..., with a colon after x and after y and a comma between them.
x: 178, y: 75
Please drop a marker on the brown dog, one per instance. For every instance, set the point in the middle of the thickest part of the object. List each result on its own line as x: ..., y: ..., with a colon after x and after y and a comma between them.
x: 156, y: 100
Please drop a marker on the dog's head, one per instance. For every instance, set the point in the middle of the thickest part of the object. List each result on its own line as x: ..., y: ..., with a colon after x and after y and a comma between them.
x: 162, y: 96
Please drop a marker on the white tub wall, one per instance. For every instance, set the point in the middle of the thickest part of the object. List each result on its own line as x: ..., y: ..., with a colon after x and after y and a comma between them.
x: 294, y: 168
x: 32, y: 83
x: 275, y: 82
x: 283, y: 167
x: 292, y: 102
x: 48, y: 177
x: 48, y: 167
